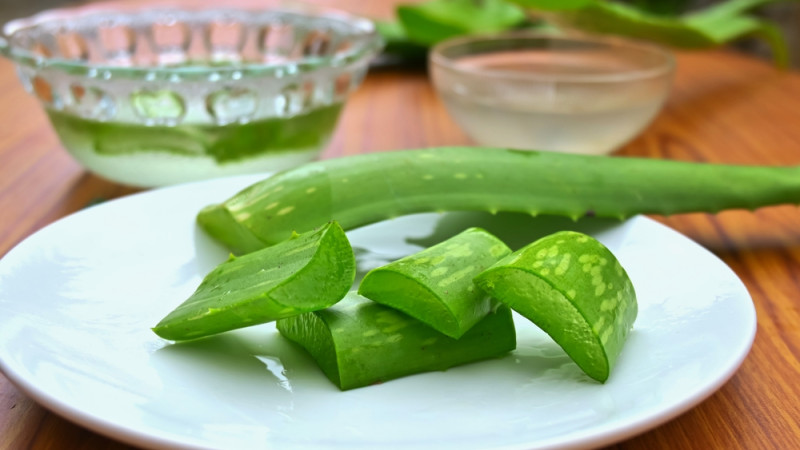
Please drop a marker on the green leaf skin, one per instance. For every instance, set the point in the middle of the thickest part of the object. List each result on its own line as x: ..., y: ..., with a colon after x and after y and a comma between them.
x: 716, y: 25
x: 435, y: 285
x: 309, y: 272
x: 573, y: 288
x: 368, y: 188
x: 359, y: 342
x: 398, y: 44
x: 433, y: 21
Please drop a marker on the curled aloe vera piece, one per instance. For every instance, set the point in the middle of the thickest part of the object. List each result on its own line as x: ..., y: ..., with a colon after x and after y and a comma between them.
x: 435, y: 285
x: 358, y: 342
x: 573, y: 288
x: 363, y: 189
x: 308, y: 272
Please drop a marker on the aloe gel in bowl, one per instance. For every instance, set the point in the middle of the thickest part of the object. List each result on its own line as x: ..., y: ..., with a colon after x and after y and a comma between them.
x: 150, y: 97
x: 572, y: 94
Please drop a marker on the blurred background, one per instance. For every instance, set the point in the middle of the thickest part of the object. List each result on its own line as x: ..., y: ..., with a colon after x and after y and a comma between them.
x: 784, y: 13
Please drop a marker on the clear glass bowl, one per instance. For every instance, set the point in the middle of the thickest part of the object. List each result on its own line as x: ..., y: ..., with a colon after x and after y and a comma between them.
x: 152, y: 97
x: 566, y: 93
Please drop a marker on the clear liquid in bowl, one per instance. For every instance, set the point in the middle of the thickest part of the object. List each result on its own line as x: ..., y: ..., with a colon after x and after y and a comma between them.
x: 584, y: 102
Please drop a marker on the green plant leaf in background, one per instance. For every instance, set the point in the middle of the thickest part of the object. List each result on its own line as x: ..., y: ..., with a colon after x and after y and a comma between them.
x: 433, y: 21
x: 422, y: 25
x: 553, y: 5
x: 714, y: 26
x: 398, y: 44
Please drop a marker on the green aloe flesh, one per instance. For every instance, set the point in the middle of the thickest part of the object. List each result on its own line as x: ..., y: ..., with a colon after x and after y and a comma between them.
x: 358, y: 342
x: 572, y: 287
x: 306, y: 273
x: 363, y: 189
x: 223, y: 143
x: 435, y: 285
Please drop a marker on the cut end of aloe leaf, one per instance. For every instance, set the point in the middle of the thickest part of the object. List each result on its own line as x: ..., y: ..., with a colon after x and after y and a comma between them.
x: 435, y: 285
x: 311, y: 272
x: 358, y: 342
x: 218, y: 222
x: 572, y: 287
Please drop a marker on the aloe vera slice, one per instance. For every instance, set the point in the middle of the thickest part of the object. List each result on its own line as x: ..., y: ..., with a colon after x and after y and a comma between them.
x: 308, y: 272
x: 358, y: 342
x: 435, y: 285
x: 573, y: 288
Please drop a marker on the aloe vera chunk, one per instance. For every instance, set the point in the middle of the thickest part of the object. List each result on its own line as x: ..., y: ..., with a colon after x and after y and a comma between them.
x: 308, y: 272
x: 358, y: 342
x: 573, y: 288
x: 435, y: 285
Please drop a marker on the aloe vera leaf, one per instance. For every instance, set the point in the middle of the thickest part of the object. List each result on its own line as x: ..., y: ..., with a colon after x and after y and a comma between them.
x: 727, y: 9
x: 728, y: 29
x: 398, y: 44
x: 435, y: 285
x: 553, y: 5
x: 358, y: 342
x: 573, y: 288
x: 363, y: 189
x: 306, y: 273
x: 711, y: 27
x: 429, y: 22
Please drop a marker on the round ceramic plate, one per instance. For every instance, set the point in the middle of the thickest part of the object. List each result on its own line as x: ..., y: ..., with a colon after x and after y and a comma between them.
x: 79, y: 296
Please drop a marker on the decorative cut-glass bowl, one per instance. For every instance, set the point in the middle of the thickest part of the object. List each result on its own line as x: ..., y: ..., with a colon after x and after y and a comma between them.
x: 152, y: 97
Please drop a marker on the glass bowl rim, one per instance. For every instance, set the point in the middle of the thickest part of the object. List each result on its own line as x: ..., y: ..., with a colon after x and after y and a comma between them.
x: 368, y: 45
x: 666, y: 67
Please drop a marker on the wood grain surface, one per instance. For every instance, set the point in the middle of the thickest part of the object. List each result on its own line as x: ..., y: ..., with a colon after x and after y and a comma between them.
x: 725, y: 107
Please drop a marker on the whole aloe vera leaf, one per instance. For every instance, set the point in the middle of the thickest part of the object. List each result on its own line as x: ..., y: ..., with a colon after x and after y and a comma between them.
x: 711, y: 27
x: 573, y: 288
x: 429, y: 22
x: 364, y: 189
x: 358, y: 342
x: 435, y: 285
x: 306, y: 273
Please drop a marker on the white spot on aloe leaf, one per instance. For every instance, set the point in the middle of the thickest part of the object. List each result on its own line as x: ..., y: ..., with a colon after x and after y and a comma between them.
x: 456, y: 276
x: 563, y: 265
x: 606, y: 334
x: 439, y: 271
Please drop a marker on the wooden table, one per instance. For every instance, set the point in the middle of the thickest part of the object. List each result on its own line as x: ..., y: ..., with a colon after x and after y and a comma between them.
x: 725, y: 108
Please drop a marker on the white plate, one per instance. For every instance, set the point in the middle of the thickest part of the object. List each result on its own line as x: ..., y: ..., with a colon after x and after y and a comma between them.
x: 78, y: 298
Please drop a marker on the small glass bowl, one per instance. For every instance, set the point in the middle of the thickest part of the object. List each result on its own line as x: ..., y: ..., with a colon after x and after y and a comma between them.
x: 566, y: 93
x: 151, y: 97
